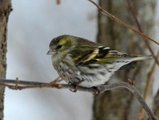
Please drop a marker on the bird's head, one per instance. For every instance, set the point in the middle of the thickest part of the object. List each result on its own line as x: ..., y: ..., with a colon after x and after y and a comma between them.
x: 61, y: 44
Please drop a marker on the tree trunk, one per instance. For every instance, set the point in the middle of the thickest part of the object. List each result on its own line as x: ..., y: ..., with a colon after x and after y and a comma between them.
x: 5, y: 8
x: 120, y: 104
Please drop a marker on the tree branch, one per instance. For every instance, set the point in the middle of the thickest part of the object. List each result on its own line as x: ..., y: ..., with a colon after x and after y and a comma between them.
x: 117, y: 20
x: 134, y: 91
x: 131, y: 7
x: 20, y: 85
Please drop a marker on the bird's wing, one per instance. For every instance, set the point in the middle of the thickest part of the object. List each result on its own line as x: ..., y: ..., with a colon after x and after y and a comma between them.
x: 84, y: 55
x: 110, y: 56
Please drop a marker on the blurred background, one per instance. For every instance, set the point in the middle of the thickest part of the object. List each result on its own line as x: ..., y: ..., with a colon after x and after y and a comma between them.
x: 32, y: 25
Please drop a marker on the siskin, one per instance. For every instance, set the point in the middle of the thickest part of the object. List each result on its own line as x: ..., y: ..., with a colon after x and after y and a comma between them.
x: 81, y: 62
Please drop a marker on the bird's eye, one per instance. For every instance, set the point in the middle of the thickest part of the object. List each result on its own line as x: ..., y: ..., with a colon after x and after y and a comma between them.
x: 59, y: 46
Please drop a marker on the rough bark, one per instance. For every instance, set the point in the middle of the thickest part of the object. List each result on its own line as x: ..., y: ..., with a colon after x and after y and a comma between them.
x: 156, y: 104
x: 5, y: 8
x: 120, y: 104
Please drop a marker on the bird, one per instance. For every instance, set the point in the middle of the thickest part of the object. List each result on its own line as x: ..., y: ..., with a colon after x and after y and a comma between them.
x: 81, y: 62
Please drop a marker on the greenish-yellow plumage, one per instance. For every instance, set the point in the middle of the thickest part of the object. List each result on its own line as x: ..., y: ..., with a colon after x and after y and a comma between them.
x: 80, y: 61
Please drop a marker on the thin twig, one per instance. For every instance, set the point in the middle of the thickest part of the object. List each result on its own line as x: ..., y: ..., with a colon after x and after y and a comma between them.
x: 148, y: 87
x: 150, y: 74
x: 105, y: 13
x: 149, y: 78
x: 134, y: 91
x: 131, y: 7
x: 20, y: 85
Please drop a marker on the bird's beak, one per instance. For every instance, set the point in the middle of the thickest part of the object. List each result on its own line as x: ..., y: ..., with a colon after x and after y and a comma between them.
x: 50, y: 52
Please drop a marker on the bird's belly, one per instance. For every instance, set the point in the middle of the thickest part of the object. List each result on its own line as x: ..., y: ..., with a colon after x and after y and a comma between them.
x: 94, y: 77
x: 64, y: 72
x: 64, y: 67
x: 89, y: 81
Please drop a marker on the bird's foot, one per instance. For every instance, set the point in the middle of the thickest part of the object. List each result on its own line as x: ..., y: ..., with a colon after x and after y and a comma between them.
x: 57, y: 80
x: 74, y: 86
x: 96, y: 91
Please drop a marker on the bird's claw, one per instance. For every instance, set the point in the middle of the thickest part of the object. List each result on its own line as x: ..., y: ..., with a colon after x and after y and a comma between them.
x: 73, y: 89
x: 96, y: 91
x: 74, y: 86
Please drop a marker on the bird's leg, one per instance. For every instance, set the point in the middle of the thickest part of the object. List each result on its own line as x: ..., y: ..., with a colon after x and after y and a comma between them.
x: 74, y: 86
x: 59, y: 79
x: 54, y: 82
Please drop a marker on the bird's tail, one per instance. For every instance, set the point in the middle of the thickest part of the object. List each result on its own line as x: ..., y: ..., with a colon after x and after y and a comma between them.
x: 132, y: 61
x: 140, y: 58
